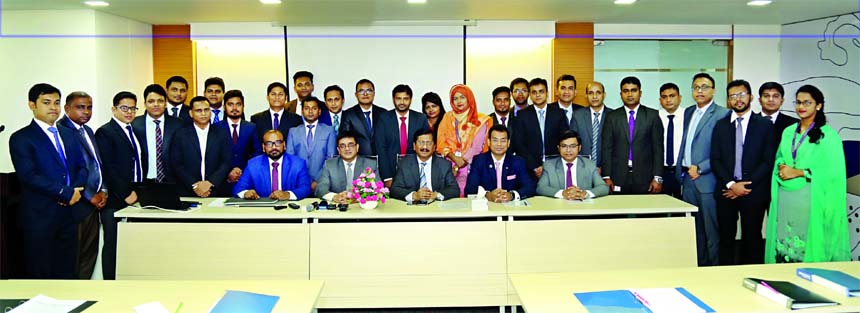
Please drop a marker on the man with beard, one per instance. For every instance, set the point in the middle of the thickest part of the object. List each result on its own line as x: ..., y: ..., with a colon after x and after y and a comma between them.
x: 502, y: 107
x: 425, y: 177
x: 770, y: 96
x: 395, y: 131
x: 742, y: 157
x: 520, y: 93
x: 565, y: 91
x: 274, y: 174
x: 589, y: 123
x: 177, y: 93
x: 244, y: 143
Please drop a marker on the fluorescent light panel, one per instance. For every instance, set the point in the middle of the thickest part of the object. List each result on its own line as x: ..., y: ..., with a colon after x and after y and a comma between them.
x: 416, y: 1
x: 624, y: 1
x: 270, y: 1
x: 759, y: 2
x: 96, y: 3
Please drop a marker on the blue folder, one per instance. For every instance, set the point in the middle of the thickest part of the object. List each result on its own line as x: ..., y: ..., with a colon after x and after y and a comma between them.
x: 245, y: 302
x: 623, y: 301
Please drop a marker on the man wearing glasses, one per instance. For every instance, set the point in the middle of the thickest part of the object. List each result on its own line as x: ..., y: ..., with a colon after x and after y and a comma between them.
x: 520, y: 94
x: 200, y: 154
x: 275, y: 174
x: 571, y: 177
x: 337, y: 174
x: 426, y: 177
x: 362, y: 117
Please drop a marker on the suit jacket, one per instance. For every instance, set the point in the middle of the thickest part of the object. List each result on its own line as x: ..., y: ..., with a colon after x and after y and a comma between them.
x: 701, y: 146
x: 92, y: 159
x: 582, y: 125
x: 759, y: 151
x: 782, y: 122
x: 527, y: 130
x: 43, y: 175
x: 246, y: 147
x: 587, y: 177
x: 263, y: 122
x: 515, y: 176
x: 333, y: 176
x: 169, y: 128
x: 118, y: 162
x: 353, y: 119
x: 576, y: 107
x: 183, y: 114
x: 186, y: 157
x: 647, y: 146
x: 408, y: 179
x: 387, y: 142
x: 257, y: 176
x: 291, y: 106
x: 511, y: 121
x: 324, y: 147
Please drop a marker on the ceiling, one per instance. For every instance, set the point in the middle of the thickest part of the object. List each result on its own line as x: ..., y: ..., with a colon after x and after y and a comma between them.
x: 364, y: 12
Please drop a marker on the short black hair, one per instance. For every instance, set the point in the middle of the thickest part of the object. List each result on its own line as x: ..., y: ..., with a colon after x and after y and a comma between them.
x: 432, y: 97
x: 197, y: 99
x: 77, y: 94
x: 363, y: 81
x: 518, y: 80
x: 669, y: 86
x: 276, y: 84
x: 567, y: 134
x: 214, y: 81
x: 422, y: 132
x: 156, y: 88
x: 500, y: 128
x: 501, y: 89
x: 125, y: 95
x: 176, y: 79
x: 771, y: 85
x: 630, y: 80
x: 335, y: 88
x: 346, y: 134
x: 738, y: 82
x: 314, y: 100
x: 565, y: 77
x: 301, y: 74
x: 706, y: 76
x: 234, y: 94
x: 537, y: 81
x: 42, y: 89
x: 401, y: 88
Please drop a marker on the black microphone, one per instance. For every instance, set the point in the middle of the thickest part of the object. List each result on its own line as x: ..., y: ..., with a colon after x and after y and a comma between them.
x: 2, y: 128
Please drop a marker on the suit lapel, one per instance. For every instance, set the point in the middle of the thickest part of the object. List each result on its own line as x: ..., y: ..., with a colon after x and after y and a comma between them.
x: 560, y: 172
x: 705, y: 117
x: 46, y: 141
x: 580, y: 175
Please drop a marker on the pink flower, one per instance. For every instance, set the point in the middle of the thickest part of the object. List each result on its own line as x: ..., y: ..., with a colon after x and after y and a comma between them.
x: 382, y: 200
x: 372, y: 198
x: 362, y: 201
x: 367, y: 184
x: 371, y: 176
x: 356, y: 195
x: 368, y: 169
x: 379, y: 184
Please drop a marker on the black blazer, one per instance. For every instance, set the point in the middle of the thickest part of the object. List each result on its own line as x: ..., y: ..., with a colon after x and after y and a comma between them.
x: 408, y: 179
x: 387, y: 142
x: 186, y: 158
x: 571, y: 123
x: 782, y: 122
x: 647, y: 146
x: 527, y: 131
x: 511, y: 121
x: 263, y: 122
x: 169, y: 128
x: 118, y: 162
x: 758, y: 156
x: 353, y: 119
x: 183, y: 114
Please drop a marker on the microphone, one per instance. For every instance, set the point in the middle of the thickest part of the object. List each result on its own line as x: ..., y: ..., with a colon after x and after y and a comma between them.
x: 2, y: 128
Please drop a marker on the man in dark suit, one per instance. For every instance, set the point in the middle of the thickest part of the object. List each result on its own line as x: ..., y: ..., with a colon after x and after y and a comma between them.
x: 156, y: 129
x: 673, y: 131
x: 335, y: 183
x: 276, y: 117
x: 333, y: 114
x: 303, y: 85
x: 426, y: 177
x: 770, y: 96
x: 519, y: 94
x: 589, y: 123
x: 214, y: 92
x: 632, y: 144
x: 570, y: 177
x: 244, y: 143
x: 177, y: 93
x: 395, y: 130
x: 502, y: 108
x: 362, y: 117
x: 538, y: 121
x: 52, y: 173
x: 200, y: 155
x: 503, y: 176
x: 565, y: 91
x: 292, y: 180
x: 79, y: 110
x: 124, y: 163
x: 742, y: 156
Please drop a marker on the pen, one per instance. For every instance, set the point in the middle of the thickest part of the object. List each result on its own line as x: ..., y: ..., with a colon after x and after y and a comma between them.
x: 177, y: 308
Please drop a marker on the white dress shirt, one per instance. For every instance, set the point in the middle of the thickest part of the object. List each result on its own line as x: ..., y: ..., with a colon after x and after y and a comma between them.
x: 772, y: 117
x: 202, y: 137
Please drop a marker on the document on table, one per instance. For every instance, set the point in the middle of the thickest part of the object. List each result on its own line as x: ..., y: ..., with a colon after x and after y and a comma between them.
x: 453, y: 205
x: 245, y: 302
x: 45, y: 304
x: 667, y: 300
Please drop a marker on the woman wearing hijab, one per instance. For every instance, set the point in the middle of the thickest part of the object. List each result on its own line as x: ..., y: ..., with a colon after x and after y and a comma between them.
x: 462, y: 132
x: 807, y: 221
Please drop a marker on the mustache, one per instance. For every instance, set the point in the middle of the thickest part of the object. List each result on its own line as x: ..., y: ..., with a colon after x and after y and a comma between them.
x: 424, y: 150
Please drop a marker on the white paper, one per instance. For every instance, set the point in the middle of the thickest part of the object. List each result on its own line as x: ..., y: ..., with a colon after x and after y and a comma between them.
x: 45, y: 304
x: 480, y: 205
x: 660, y: 300
x: 152, y: 307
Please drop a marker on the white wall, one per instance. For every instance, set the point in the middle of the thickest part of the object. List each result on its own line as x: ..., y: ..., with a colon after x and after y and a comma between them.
x: 756, y: 56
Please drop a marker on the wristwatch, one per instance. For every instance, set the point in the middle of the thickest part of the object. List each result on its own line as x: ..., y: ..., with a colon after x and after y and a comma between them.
x: 659, y: 180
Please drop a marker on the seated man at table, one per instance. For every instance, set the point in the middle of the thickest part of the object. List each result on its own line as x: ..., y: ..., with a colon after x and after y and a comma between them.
x: 503, y: 176
x: 571, y: 177
x: 274, y: 174
x: 337, y: 174
x: 425, y: 177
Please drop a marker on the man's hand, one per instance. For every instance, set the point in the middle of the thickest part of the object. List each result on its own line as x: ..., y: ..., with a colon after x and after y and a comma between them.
x: 729, y: 194
x: 609, y: 184
x: 131, y: 199
x: 251, y: 195
x: 388, y: 183
x: 539, y: 171
x: 423, y: 194
x: 76, y: 196
x: 740, y: 188
x: 99, y: 200
x: 655, y: 186
x: 499, y: 195
x: 203, y: 189
x: 280, y: 195
x: 693, y: 171
x: 574, y: 193
x: 342, y: 198
x: 234, y: 175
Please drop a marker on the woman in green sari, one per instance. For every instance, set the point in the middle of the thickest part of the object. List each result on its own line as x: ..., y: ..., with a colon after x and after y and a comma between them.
x: 807, y: 220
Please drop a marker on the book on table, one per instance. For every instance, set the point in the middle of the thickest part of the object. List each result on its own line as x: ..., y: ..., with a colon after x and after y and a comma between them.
x: 840, y: 282
x: 787, y: 294
x: 646, y: 300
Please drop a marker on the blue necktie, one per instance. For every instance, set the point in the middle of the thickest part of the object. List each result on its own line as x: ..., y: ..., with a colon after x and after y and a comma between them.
x: 215, y: 119
x: 422, y: 178
x: 136, y: 157
x: 175, y: 112
x: 310, y: 139
x: 670, y: 141
x: 62, y: 154
x: 276, y: 122
x: 367, y: 120
x: 336, y: 123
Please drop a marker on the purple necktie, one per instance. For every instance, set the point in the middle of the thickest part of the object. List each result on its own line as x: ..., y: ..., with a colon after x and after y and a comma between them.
x: 159, y: 143
x: 739, y: 148
x: 569, y: 177
x: 275, y: 175
x: 276, y: 122
x: 631, y: 123
x: 403, y: 140
x: 235, y: 134
x: 503, y: 121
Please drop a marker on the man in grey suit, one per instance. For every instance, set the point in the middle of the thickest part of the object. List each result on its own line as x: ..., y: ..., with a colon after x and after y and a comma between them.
x: 584, y: 122
x: 425, y: 177
x: 694, y: 170
x: 571, y: 177
x: 337, y: 174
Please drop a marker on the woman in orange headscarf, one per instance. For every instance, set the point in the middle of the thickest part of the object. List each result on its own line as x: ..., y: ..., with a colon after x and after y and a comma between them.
x: 462, y: 132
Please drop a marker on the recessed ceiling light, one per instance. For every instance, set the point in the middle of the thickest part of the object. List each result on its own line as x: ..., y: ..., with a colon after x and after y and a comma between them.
x: 758, y: 2
x: 624, y: 1
x: 270, y: 1
x: 416, y: 1
x: 96, y: 3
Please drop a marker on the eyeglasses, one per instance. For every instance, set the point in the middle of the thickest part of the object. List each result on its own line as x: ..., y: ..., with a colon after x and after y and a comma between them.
x: 346, y: 146
x: 521, y: 90
x: 568, y: 147
x: 270, y: 144
x: 365, y: 91
x: 126, y: 109
x: 424, y: 143
x: 702, y: 88
x: 738, y: 95
x: 806, y: 103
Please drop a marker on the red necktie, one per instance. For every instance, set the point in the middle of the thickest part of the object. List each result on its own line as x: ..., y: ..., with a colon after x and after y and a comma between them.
x: 403, y: 141
x: 235, y: 134
x: 275, y: 184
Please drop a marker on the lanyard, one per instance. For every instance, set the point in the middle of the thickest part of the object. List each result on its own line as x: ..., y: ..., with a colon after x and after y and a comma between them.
x: 794, y: 140
x: 457, y: 132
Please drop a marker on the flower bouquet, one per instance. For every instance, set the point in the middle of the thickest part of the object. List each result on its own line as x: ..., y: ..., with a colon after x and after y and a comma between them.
x: 368, y: 191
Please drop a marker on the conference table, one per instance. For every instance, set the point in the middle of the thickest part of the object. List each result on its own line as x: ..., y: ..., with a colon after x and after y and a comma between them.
x: 719, y: 287
x: 175, y: 295
x: 444, y: 254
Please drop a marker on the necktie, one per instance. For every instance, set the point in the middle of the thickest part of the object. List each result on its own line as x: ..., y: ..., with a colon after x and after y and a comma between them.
x: 367, y: 121
x: 769, y: 118
x: 595, y: 137
x: 542, y: 119
x: 688, y: 144
x: 215, y: 119
x: 670, y: 141
x: 159, y: 141
x: 276, y: 123
x: 498, y: 174
x: 60, y: 151
x: 423, y: 178
x: 175, y: 112
x: 235, y: 134
x: 92, y: 149
x: 568, y: 179
x: 336, y: 123
x: 136, y: 155
x: 739, y: 148
x: 504, y: 121
x: 310, y: 138
x: 631, y: 124
x: 349, y: 177
x: 275, y: 184
x: 403, y: 141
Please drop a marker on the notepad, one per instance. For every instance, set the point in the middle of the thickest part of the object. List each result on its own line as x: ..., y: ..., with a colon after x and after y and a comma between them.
x: 650, y: 300
x: 787, y: 294
x: 45, y: 304
x: 245, y: 302
x: 843, y: 283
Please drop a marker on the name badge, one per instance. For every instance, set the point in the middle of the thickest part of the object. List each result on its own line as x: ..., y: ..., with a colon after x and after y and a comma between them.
x: 458, y: 154
x: 512, y: 177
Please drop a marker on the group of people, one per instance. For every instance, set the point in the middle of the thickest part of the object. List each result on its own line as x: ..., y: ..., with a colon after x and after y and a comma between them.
x: 725, y: 159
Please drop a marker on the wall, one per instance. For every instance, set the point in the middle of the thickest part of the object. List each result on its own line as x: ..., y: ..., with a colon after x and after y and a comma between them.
x: 756, y: 56
x: 573, y: 53
x: 173, y: 54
